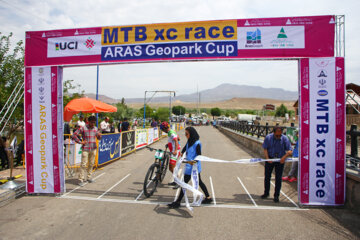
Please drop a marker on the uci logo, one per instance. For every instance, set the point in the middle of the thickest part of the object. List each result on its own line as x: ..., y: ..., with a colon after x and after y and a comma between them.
x: 66, y: 45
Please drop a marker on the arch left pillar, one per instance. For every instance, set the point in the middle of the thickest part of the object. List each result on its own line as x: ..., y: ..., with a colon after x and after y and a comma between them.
x: 44, y: 130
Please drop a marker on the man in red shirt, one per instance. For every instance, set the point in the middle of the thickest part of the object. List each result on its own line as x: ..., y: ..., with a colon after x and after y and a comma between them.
x: 89, y: 134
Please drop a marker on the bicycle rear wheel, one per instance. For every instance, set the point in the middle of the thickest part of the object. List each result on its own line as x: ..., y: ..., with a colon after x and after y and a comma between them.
x: 164, y: 166
x: 151, y: 180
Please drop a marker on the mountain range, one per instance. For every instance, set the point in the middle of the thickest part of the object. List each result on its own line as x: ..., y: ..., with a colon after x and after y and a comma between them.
x: 222, y: 92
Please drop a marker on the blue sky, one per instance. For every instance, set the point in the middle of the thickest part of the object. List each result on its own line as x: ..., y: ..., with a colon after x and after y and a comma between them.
x: 131, y: 80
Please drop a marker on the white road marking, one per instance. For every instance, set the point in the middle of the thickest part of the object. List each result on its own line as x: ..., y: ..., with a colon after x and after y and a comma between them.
x: 247, y: 192
x: 286, y: 196
x: 165, y: 203
x: 143, y: 191
x: 113, y: 186
x: 82, y: 186
x: 212, y: 189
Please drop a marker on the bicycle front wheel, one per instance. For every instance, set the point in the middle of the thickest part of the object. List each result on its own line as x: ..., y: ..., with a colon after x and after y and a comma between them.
x: 164, y: 166
x: 151, y: 179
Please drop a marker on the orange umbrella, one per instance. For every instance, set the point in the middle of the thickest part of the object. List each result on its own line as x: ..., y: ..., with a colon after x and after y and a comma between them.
x: 86, y: 105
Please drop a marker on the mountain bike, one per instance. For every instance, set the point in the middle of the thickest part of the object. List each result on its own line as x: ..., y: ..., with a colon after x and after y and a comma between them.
x: 157, y: 171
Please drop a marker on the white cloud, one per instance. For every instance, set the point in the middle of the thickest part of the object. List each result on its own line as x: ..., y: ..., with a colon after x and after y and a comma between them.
x: 131, y: 80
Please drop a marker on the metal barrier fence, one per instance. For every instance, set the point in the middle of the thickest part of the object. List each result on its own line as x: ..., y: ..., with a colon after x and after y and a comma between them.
x: 352, y: 160
x: 246, y: 128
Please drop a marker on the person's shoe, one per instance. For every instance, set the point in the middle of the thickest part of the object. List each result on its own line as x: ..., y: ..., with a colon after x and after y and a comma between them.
x: 81, y: 183
x: 206, y: 201
x: 276, y: 199
x: 172, y: 184
x: 176, y: 187
x: 174, y: 205
x: 285, y: 178
x: 91, y: 180
x: 294, y: 179
x: 264, y: 196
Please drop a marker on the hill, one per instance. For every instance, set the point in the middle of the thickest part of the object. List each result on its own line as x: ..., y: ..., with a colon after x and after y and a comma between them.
x: 234, y: 103
x: 222, y: 92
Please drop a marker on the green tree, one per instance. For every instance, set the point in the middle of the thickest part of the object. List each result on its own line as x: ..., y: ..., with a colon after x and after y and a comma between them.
x: 148, y: 111
x: 162, y: 114
x: 281, y: 111
x: 215, y: 112
x: 68, y: 86
x: 178, y: 110
x: 11, y: 73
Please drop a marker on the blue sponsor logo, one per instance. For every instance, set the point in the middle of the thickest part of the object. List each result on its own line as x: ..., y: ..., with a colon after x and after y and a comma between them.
x: 322, y: 93
x: 254, y: 160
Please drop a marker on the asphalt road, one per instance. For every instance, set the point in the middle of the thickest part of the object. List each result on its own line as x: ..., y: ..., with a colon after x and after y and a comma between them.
x: 114, y: 207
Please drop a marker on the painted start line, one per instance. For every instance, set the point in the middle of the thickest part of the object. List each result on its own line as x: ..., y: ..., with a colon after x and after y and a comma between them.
x: 214, y: 204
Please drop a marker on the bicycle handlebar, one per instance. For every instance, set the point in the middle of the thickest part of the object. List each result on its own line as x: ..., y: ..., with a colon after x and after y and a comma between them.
x: 152, y: 149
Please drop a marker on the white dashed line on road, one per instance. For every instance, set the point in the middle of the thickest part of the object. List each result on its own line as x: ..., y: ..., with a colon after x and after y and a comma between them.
x: 81, y: 186
x: 212, y: 190
x: 247, y: 192
x: 113, y: 186
x: 143, y: 191
x: 286, y: 196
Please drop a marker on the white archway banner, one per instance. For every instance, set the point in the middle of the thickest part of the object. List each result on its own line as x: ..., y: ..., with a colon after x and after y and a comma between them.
x: 322, y: 132
x: 44, y: 130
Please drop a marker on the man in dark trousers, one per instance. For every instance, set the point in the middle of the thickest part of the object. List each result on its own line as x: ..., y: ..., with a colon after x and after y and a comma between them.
x: 276, y: 145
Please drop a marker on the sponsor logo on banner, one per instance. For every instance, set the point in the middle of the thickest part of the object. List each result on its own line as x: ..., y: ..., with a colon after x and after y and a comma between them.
x: 253, y: 38
x: 282, y: 40
x: 322, y: 93
x: 89, y: 43
x: 141, y: 138
x: 127, y: 142
x: 66, y: 45
x: 81, y: 45
x: 271, y: 37
x: 109, y: 148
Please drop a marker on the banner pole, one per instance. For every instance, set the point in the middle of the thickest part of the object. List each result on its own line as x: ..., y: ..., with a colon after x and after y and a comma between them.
x: 97, y: 92
x: 144, y: 110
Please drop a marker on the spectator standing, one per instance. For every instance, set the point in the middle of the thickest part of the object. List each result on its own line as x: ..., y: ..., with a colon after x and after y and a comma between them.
x: 292, y: 176
x: 112, y: 128
x: 119, y: 126
x: 125, y: 126
x: 89, y: 134
x: 105, y: 125
x: 81, y: 122
x: 154, y: 123
x: 276, y: 145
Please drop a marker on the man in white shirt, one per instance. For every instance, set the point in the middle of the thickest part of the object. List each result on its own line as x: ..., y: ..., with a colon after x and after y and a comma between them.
x: 81, y: 122
x: 105, y: 125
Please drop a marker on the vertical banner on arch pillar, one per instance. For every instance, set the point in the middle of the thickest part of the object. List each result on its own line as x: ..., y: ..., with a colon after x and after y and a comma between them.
x: 44, y: 141
x: 322, y: 135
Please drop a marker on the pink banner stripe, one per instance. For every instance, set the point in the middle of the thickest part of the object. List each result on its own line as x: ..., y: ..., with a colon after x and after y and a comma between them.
x: 305, y: 131
x: 28, y: 132
x: 54, y: 92
x: 340, y: 133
